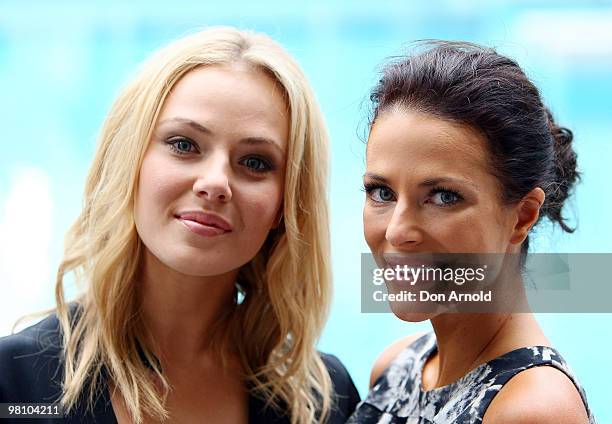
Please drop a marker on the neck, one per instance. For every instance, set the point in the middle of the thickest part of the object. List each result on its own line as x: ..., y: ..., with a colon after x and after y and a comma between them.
x: 465, y: 343
x: 460, y: 345
x: 180, y: 310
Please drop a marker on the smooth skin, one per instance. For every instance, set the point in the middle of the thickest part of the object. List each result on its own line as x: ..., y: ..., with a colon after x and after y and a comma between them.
x: 219, y: 146
x: 430, y: 189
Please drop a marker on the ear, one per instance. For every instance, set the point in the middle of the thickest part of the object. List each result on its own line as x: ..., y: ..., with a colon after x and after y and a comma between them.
x: 527, y: 213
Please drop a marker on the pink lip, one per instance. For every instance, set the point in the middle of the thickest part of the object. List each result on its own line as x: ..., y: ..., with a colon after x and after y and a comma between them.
x: 406, y: 261
x: 411, y: 261
x: 204, y: 223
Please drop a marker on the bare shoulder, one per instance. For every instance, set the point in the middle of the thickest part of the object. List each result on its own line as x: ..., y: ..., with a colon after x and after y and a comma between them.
x: 542, y: 395
x: 389, y: 354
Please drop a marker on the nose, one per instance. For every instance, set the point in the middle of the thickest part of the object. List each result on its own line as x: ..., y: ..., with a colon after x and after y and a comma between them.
x: 403, y: 230
x: 214, y: 182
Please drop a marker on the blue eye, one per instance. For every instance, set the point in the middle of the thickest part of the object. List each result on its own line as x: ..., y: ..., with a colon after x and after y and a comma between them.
x: 182, y: 145
x: 379, y: 193
x: 256, y: 164
x: 444, y: 197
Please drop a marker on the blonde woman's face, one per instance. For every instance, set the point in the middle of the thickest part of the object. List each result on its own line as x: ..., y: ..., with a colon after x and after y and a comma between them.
x: 212, y: 178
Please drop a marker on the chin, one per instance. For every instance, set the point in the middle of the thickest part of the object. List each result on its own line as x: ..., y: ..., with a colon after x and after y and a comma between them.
x: 195, y: 263
x: 203, y: 268
x: 417, y: 311
x: 412, y: 316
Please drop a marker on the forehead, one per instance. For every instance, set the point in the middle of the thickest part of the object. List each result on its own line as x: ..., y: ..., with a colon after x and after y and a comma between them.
x: 414, y: 143
x: 237, y: 96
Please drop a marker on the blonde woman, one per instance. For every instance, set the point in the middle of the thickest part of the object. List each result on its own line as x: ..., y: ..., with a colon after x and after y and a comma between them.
x: 203, y: 250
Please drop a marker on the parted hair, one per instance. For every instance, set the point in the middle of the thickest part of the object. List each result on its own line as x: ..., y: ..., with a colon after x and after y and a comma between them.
x: 287, y: 286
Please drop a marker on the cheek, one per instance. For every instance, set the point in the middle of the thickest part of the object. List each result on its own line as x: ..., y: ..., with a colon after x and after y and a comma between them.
x: 158, y: 186
x: 475, y: 230
x: 459, y: 233
x: 260, y: 206
x: 374, y: 228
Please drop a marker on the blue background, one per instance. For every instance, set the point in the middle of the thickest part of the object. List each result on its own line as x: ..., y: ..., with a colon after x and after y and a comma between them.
x: 63, y: 62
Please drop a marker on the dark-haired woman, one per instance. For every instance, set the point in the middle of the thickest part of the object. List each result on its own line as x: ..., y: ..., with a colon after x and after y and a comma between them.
x: 463, y: 156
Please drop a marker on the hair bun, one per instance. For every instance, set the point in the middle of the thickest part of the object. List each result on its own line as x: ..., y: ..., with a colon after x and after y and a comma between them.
x: 565, y: 170
x: 561, y: 135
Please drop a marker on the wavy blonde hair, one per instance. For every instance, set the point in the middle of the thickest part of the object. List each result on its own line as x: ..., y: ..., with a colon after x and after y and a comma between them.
x: 287, y: 285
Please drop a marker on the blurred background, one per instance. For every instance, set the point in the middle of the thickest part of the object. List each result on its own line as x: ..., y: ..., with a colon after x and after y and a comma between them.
x: 63, y: 62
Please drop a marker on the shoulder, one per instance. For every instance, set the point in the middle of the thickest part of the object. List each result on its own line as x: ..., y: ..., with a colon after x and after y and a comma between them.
x: 527, y: 399
x: 341, y: 379
x: 42, y: 335
x: 27, y: 357
x: 344, y: 390
x: 389, y: 354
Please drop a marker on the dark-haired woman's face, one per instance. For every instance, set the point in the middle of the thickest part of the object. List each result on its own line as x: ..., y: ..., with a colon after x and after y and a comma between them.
x: 430, y: 189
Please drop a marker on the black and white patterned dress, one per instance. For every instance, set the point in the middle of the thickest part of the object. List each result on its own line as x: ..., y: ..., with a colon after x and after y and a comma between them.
x: 397, y: 396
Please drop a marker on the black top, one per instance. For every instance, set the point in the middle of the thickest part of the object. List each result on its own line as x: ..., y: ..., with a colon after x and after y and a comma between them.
x: 398, y: 397
x: 31, y: 372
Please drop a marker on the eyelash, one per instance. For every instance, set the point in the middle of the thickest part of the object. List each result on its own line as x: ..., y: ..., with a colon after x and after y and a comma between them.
x: 370, y: 187
x: 268, y: 166
x: 174, y: 140
x: 441, y: 189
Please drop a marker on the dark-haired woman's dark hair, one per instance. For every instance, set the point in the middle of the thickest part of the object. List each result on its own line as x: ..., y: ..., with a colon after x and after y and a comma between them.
x: 476, y: 86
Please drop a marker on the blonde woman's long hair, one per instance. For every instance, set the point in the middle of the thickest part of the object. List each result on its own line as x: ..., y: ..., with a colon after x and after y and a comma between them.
x: 287, y: 285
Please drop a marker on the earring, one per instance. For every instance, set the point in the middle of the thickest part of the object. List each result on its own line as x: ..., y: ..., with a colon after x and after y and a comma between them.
x: 240, y: 294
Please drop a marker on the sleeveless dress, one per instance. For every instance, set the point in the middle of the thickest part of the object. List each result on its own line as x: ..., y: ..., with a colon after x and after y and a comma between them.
x: 397, y: 396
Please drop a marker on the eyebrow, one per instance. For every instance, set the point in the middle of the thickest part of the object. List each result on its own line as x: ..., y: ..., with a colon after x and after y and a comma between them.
x: 376, y: 177
x: 435, y: 181
x: 254, y: 141
x: 426, y: 183
x: 193, y: 124
x: 251, y: 141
